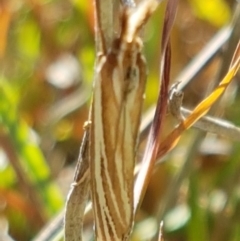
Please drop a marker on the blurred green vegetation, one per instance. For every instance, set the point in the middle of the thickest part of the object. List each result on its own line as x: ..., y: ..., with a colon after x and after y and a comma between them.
x: 47, y: 63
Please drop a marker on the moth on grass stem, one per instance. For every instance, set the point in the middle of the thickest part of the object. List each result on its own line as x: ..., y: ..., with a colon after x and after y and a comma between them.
x: 118, y: 91
x: 110, y: 143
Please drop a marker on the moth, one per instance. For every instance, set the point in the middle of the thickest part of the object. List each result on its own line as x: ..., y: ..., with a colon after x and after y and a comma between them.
x: 108, y: 151
x: 118, y: 93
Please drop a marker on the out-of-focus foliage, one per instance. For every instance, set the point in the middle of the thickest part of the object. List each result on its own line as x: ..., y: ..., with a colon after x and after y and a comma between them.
x: 217, y: 12
x: 46, y: 68
x: 34, y: 35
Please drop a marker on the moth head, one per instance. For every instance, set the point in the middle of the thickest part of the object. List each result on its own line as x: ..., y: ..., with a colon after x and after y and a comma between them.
x: 134, y: 18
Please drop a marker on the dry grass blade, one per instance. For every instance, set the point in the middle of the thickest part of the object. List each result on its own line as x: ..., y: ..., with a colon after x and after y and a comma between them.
x: 153, y: 140
x: 78, y: 194
x: 202, y: 108
x: 217, y: 126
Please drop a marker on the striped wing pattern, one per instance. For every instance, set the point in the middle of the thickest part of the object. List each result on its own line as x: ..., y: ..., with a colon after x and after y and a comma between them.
x: 116, y: 110
x: 115, y: 120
